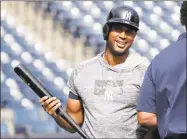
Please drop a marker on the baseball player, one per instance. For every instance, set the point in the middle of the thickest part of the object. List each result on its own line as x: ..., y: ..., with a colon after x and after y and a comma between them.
x: 162, y: 100
x: 104, y: 89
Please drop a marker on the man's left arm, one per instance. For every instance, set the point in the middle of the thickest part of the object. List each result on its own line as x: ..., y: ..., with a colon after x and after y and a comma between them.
x: 146, y: 102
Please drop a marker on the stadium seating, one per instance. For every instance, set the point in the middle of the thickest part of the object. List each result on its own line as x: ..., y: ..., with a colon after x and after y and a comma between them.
x: 18, y: 96
x: 157, y: 21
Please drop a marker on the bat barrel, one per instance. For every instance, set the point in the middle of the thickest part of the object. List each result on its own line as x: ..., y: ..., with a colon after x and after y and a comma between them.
x: 31, y: 81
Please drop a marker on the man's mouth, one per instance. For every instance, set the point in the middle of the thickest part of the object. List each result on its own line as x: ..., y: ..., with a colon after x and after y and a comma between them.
x: 121, y: 44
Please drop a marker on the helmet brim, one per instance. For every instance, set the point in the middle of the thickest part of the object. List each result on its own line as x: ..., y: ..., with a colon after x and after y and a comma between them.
x: 122, y: 21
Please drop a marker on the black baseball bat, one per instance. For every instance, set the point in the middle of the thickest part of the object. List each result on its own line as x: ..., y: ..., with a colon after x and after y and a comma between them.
x: 41, y: 91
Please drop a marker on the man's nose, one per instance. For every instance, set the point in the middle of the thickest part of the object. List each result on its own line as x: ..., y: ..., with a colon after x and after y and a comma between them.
x: 123, y: 35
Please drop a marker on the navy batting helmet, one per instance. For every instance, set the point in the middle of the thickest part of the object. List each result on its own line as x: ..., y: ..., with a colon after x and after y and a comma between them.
x: 121, y: 14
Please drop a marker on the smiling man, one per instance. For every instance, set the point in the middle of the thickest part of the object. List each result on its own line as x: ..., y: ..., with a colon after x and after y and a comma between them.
x: 104, y: 90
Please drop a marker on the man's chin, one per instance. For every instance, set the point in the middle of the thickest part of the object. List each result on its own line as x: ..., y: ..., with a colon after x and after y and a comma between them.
x: 118, y: 53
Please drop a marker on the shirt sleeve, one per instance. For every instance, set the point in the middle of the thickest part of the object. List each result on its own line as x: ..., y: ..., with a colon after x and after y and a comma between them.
x: 147, y: 97
x: 73, y: 94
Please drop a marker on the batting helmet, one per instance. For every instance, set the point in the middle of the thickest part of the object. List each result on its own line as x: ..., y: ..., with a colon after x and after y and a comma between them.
x: 121, y: 14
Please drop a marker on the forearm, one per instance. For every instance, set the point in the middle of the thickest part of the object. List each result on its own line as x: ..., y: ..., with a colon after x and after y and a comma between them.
x: 76, y: 116
x: 149, y: 122
x: 63, y: 124
x: 74, y: 109
x: 147, y: 119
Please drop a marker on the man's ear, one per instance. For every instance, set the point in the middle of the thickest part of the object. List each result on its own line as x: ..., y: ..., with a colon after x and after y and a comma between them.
x: 106, y: 31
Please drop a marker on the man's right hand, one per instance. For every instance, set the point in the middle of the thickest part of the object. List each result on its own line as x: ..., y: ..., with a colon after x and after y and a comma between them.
x: 50, y: 105
x: 73, y: 108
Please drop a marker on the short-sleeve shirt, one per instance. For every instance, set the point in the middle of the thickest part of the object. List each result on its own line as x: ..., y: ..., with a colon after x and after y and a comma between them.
x: 164, y: 89
x: 109, y: 96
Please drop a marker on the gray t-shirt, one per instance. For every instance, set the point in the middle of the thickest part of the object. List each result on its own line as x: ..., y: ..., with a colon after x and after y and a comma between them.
x: 109, y: 96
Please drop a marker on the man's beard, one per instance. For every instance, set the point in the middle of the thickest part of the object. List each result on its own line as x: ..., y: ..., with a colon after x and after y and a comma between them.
x: 116, y: 53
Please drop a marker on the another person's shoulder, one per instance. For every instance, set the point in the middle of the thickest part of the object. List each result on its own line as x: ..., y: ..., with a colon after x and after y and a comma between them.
x: 171, y: 50
x: 165, y: 58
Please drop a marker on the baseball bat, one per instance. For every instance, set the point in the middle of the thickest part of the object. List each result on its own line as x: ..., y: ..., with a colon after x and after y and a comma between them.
x: 41, y: 91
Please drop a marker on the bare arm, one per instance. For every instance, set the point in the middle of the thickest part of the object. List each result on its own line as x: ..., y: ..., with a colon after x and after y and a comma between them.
x: 73, y: 108
x: 147, y: 119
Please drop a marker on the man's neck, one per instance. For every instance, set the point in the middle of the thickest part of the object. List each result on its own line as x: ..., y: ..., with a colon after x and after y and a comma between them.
x: 114, y: 60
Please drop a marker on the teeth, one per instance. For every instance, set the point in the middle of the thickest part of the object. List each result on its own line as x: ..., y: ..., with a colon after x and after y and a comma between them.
x: 120, y: 42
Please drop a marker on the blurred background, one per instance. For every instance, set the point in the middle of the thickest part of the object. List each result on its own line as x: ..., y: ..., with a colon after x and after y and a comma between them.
x: 51, y: 38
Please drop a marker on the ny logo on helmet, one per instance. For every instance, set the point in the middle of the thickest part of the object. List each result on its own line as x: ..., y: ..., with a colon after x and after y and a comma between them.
x: 127, y: 15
